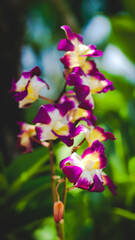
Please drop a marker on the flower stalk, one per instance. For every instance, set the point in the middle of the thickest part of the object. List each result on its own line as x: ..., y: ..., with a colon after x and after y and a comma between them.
x: 47, y: 99
x: 52, y: 170
x: 59, y: 225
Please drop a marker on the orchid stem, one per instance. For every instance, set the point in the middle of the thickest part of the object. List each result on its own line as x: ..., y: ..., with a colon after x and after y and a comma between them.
x: 58, y: 227
x: 75, y: 148
x: 44, y: 144
x: 71, y: 188
x: 52, y: 170
x: 47, y: 99
x: 64, y: 192
x: 59, y: 182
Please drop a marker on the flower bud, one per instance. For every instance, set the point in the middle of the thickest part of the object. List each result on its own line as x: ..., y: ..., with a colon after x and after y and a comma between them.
x: 58, y: 210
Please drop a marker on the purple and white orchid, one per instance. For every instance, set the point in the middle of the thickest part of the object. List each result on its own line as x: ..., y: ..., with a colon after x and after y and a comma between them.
x: 52, y: 123
x: 86, y: 85
x: 24, y: 141
x: 92, y: 133
x: 76, y: 51
x: 79, y: 111
x: 27, y: 88
x: 85, y: 172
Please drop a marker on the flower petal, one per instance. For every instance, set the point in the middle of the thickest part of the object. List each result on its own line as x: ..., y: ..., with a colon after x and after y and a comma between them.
x: 110, y: 184
x: 82, y: 91
x: 72, y: 173
x: 70, y: 35
x: 93, y: 52
x: 97, y: 185
x: 78, y: 71
x: 35, y: 71
x: 66, y: 139
x: 65, y: 45
x: 65, y: 107
x: 79, y: 37
x: 86, y: 104
x: 85, y: 180
x: 72, y: 167
x: 74, y: 159
x: 100, y: 134
x: 44, y: 132
x: 13, y: 87
x: 24, y: 141
x: 43, y: 114
x: 73, y: 79
x: 94, y: 156
x: 66, y: 60
x: 19, y: 96
x: 89, y: 67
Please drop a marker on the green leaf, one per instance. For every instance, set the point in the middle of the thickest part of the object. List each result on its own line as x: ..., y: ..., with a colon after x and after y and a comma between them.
x: 31, y: 189
x: 24, y: 167
x: 3, y: 183
x: 124, y: 213
x: 26, y: 162
x: 131, y: 166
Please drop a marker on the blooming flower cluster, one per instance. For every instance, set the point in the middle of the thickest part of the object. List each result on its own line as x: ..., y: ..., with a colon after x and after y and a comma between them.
x: 71, y: 114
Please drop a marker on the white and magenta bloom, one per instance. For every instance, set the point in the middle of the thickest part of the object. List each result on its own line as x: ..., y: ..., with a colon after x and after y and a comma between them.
x: 79, y: 111
x: 89, y: 67
x: 86, y: 85
x: 76, y: 51
x: 24, y: 141
x: 92, y: 133
x: 85, y: 172
x: 52, y: 123
x: 28, y: 87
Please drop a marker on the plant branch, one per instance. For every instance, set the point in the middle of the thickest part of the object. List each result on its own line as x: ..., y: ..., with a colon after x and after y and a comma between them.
x: 75, y: 148
x: 52, y: 170
x: 64, y: 192
x: 44, y: 144
x: 47, y: 99
x: 59, y: 236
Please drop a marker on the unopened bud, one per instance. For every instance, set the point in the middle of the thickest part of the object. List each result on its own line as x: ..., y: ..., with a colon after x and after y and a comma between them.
x: 58, y: 210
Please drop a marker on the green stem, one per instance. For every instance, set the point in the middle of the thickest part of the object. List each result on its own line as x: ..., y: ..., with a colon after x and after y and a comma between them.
x: 64, y: 192
x: 62, y: 229
x: 53, y: 185
x: 47, y: 99
x: 61, y: 224
x: 52, y: 170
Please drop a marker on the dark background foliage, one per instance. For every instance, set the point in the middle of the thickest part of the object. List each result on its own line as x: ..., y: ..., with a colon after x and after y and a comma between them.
x: 29, y: 34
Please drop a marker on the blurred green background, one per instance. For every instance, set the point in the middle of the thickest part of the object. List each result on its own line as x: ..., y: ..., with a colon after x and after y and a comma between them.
x: 29, y: 34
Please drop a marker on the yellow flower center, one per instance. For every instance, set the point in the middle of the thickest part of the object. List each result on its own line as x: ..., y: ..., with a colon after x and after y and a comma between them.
x: 31, y: 93
x: 91, y: 161
x: 60, y: 128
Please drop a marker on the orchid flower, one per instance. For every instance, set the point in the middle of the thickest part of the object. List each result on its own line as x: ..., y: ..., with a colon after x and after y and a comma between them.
x: 52, y: 122
x: 86, y: 85
x: 92, y: 133
x: 76, y: 51
x: 79, y: 111
x: 27, y: 88
x: 24, y: 142
x: 85, y: 172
